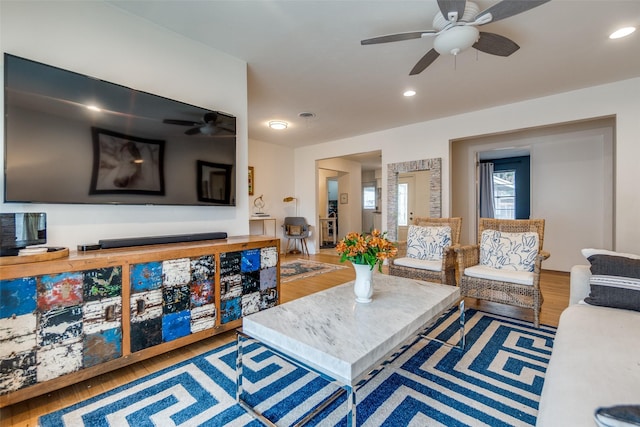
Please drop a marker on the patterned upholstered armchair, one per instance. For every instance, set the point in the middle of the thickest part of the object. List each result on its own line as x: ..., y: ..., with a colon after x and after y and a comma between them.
x: 505, y: 265
x: 428, y: 254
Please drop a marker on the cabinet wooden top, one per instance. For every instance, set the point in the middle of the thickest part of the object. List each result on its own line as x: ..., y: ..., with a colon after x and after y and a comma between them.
x: 74, y: 259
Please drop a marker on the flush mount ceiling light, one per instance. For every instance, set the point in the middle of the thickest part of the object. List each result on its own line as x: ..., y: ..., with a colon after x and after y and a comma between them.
x: 622, y: 32
x: 409, y: 93
x: 278, y: 124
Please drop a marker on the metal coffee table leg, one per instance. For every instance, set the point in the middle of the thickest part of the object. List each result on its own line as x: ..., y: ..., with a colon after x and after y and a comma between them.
x: 350, y: 390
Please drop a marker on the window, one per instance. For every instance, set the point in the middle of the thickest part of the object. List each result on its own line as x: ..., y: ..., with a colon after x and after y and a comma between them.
x: 403, y: 200
x: 369, y: 197
x: 504, y: 194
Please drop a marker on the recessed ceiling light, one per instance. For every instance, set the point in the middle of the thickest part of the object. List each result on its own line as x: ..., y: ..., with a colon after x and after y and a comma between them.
x: 278, y: 124
x: 93, y: 108
x: 622, y: 32
x: 409, y: 93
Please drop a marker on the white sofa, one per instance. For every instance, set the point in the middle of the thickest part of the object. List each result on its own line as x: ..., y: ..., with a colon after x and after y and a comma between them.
x: 595, y: 360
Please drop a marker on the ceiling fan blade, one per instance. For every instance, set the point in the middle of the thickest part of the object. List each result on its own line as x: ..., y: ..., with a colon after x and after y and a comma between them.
x: 226, y: 123
x: 424, y: 62
x: 180, y: 122
x: 508, y: 8
x: 192, y: 131
x: 396, y: 37
x: 226, y: 129
x: 447, y: 6
x: 495, y: 44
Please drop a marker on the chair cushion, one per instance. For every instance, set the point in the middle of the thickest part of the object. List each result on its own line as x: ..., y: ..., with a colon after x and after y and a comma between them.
x: 508, y: 251
x: 489, y: 273
x: 427, y: 243
x: 421, y: 264
x: 614, y: 282
x: 294, y: 230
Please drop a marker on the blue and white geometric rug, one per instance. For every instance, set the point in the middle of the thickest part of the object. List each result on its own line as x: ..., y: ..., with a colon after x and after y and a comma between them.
x: 496, y: 381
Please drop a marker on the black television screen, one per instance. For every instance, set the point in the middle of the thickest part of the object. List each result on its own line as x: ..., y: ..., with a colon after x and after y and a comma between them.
x: 71, y: 138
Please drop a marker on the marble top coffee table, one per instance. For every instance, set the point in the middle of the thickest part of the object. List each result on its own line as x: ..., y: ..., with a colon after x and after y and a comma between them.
x: 330, y: 333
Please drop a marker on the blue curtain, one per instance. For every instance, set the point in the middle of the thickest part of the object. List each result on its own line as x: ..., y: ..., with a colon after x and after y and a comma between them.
x: 486, y: 190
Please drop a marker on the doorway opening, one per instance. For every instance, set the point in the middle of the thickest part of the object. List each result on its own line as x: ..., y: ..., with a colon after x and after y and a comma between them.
x: 329, y: 216
x: 342, y: 210
x: 571, y: 184
x: 505, y: 191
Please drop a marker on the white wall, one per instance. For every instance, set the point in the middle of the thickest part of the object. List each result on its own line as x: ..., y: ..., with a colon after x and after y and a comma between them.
x: 432, y: 139
x: 95, y: 39
x: 579, y: 210
x: 273, y: 179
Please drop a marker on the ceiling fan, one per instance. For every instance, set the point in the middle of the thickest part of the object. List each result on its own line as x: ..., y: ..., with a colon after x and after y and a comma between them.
x: 455, y: 29
x: 212, y: 123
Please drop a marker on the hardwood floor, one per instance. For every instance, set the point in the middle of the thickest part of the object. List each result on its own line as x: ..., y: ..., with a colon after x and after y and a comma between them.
x: 555, y: 288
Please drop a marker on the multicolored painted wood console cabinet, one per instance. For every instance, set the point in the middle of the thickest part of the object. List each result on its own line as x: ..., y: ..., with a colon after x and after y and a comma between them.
x: 66, y: 320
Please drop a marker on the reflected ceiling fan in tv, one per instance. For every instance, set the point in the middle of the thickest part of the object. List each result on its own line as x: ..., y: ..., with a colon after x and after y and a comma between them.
x: 213, y: 123
x: 72, y: 138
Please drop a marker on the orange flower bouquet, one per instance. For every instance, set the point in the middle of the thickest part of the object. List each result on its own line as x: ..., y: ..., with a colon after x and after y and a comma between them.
x: 371, y: 249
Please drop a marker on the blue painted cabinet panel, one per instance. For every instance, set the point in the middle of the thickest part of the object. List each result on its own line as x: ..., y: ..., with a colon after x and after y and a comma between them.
x: 248, y: 282
x: 145, y: 277
x: 171, y: 299
x: 17, y: 297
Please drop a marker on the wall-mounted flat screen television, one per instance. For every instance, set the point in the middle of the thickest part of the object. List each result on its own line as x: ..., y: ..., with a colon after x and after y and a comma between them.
x: 71, y: 138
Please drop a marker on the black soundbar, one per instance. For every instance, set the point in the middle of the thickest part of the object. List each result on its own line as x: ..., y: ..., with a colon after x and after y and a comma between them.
x: 142, y: 241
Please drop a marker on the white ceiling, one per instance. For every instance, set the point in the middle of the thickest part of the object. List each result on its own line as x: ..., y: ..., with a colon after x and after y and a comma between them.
x: 305, y: 56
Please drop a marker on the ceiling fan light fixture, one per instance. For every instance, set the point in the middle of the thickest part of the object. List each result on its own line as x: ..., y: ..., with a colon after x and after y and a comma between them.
x: 278, y: 124
x: 456, y: 40
x: 207, y: 129
x: 622, y: 32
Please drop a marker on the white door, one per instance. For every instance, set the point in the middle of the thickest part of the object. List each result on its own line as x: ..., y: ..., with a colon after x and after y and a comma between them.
x: 413, y: 199
x: 406, y: 187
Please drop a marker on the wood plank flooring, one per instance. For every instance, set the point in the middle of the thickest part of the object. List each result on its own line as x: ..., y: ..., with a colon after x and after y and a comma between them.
x: 555, y: 288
